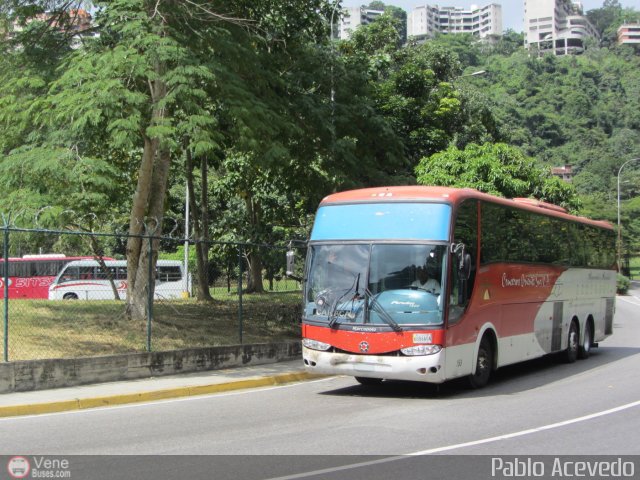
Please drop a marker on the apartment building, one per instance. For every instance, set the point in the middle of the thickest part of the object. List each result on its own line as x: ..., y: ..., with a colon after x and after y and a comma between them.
x: 352, y: 18
x: 425, y: 21
x: 556, y: 26
x: 629, y: 34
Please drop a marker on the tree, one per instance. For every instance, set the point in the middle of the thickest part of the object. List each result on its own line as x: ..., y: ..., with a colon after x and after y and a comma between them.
x: 497, y: 169
x: 417, y: 91
x: 141, y: 83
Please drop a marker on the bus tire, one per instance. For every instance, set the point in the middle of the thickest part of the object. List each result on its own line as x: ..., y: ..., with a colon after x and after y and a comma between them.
x: 585, y: 348
x: 368, y: 381
x: 573, y: 341
x: 70, y: 296
x: 484, y: 365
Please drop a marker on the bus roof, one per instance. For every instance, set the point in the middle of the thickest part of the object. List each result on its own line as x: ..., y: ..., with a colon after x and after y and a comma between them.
x: 452, y: 196
x: 116, y: 263
x: 50, y: 256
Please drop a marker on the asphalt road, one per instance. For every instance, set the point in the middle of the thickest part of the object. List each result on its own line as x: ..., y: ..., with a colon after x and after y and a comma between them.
x: 544, y: 407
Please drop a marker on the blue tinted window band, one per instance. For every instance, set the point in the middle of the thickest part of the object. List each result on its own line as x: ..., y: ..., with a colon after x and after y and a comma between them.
x: 382, y: 221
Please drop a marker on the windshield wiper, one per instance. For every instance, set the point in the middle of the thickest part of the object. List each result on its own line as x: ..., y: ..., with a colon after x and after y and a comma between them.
x: 333, y: 315
x: 388, y: 319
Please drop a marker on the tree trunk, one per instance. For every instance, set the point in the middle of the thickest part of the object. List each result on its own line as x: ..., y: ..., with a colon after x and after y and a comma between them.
x: 254, y: 283
x: 254, y: 259
x: 202, y: 250
x: 147, y: 212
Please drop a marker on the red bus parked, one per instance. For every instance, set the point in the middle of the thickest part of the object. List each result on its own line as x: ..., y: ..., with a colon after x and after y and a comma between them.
x: 433, y: 283
x: 30, y: 276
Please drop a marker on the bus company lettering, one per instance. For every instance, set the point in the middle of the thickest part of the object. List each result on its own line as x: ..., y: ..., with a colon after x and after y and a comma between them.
x: 535, y: 280
x: 33, y: 282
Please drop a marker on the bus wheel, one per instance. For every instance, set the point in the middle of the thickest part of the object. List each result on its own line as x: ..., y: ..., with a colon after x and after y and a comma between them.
x: 585, y: 349
x: 484, y: 364
x: 368, y: 381
x: 571, y: 353
x: 70, y: 296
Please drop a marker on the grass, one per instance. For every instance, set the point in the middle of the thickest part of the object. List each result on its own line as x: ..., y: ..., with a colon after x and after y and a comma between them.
x: 634, y: 268
x: 65, y: 329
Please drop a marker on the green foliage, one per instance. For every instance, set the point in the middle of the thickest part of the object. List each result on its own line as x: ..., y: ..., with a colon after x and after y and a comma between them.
x: 497, y: 169
x: 281, y: 116
x: 415, y: 90
x: 622, y: 284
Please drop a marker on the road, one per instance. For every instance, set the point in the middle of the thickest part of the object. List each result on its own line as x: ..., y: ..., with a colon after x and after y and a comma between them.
x: 541, y: 407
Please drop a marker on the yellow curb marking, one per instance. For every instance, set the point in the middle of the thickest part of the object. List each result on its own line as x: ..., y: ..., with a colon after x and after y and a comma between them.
x: 85, y: 403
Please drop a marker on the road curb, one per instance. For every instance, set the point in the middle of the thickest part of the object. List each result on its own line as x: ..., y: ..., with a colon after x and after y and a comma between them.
x: 149, y: 396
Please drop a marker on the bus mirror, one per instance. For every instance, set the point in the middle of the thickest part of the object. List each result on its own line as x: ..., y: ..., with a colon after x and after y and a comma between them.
x: 463, y: 259
x: 465, y: 266
x: 291, y: 262
x: 291, y: 265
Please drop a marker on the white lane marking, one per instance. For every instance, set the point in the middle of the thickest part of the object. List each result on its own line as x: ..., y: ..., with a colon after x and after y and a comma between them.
x: 457, y: 446
x: 627, y: 300
x: 169, y: 400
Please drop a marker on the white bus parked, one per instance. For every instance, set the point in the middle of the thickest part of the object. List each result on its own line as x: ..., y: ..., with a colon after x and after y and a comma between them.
x: 86, y: 280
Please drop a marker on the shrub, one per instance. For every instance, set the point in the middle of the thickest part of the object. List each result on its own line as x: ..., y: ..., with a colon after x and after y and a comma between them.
x: 622, y: 285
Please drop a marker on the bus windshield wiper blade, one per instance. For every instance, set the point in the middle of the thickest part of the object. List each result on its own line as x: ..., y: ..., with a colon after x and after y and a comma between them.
x: 382, y: 312
x: 333, y: 315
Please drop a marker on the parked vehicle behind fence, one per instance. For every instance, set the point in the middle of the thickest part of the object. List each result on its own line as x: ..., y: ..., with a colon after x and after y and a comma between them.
x: 87, y: 280
x: 30, y: 276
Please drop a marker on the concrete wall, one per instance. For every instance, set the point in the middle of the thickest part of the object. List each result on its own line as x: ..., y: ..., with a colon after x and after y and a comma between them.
x: 30, y: 375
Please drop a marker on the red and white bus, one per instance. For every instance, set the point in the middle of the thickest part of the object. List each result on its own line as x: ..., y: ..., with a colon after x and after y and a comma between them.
x: 432, y: 283
x: 31, y: 275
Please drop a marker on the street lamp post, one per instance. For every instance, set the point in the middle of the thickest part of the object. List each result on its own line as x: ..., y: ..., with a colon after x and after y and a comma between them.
x: 336, y: 4
x: 474, y: 74
x: 619, y: 225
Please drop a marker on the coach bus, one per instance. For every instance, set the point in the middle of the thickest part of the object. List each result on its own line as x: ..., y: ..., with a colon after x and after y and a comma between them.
x: 432, y: 283
x: 87, y: 280
x: 29, y: 276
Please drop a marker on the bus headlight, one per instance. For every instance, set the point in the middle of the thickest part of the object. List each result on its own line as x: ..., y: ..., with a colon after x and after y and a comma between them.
x: 315, y: 344
x: 421, y: 350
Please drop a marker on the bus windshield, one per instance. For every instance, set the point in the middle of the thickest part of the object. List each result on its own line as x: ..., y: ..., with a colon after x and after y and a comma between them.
x: 380, y: 284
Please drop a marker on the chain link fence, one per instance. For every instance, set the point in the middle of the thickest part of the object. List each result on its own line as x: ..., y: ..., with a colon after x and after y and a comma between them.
x: 80, y: 304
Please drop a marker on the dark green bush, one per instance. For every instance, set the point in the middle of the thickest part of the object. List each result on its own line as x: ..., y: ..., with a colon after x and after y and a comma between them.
x: 622, y: 285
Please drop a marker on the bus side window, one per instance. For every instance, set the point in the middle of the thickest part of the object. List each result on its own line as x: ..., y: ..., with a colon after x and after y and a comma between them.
x: 466, y: 232
x: 69, y: 274
x: 168, y: 274
x: 87, y: 273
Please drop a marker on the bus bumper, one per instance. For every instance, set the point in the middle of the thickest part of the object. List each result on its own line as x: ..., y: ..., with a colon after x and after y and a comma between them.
x: 423, y: 368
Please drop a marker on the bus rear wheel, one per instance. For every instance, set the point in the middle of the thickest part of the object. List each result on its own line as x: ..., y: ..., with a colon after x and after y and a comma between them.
x: 573, y: 339
x: 70, y: 296
x: 585, y: 348
x: 368, y: 381
x: 484, y: 364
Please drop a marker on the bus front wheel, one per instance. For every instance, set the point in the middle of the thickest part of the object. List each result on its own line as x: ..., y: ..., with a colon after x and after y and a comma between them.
x: 484, y: 364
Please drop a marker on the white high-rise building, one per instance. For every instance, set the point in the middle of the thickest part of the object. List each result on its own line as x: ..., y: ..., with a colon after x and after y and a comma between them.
x: 352, y: 18
x: 426, y: 20
x: 556, y: 26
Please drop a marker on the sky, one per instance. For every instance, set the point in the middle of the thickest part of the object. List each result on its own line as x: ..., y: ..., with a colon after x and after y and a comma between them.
x: 512, y: 10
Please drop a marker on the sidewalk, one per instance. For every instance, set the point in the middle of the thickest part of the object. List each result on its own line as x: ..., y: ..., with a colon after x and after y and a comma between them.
x: 150, y: 389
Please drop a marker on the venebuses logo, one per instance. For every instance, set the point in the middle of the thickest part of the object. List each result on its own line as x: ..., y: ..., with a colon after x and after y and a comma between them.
x: 18, y: 467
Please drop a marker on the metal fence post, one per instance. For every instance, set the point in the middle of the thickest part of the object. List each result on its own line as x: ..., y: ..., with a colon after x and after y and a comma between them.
x: 240, y: 292
x: 149, y: 293
x: 5, y: 253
